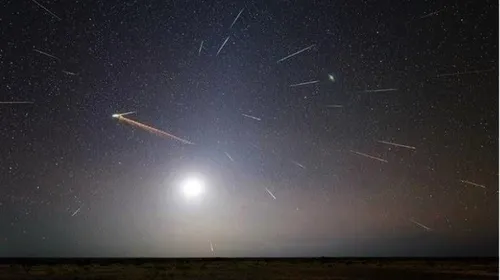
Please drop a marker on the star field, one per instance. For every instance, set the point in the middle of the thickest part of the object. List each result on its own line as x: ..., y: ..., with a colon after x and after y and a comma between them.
x: 339, y: 128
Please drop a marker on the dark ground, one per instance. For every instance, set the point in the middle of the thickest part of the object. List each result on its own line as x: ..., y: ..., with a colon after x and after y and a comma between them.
x: 320, y: 268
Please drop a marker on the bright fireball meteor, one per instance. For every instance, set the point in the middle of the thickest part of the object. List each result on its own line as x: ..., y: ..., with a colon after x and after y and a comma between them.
x: 116, y: 116
x: 148, y: 128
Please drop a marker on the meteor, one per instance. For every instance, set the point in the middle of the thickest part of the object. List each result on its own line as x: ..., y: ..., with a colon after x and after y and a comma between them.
x: 201, y: 47
x: 47, y: 54
x: 47, y: 10
x: 271, y: 194
x: 421, y: 225
x: 251, y: 117
x: 380, y: 90
x: 148, y: 128
x: 237, y: 17
x: 229, y: 156
x: 369, y: 156
x: 118, y: 115
x: 334, y: 106
x: 305, y: 83
x: 473, y: 184
x: 298, y: 164
x: 222, y: 46
x: 397, y: 145
x: 76, y: 212
x: 295, y: 53
x: 16, y: 102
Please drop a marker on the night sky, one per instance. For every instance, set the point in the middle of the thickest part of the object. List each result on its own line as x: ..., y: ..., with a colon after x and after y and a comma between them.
x: 288, y: 169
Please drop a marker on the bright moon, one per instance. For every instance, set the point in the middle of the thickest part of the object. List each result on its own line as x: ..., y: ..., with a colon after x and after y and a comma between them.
x: 192, y: 187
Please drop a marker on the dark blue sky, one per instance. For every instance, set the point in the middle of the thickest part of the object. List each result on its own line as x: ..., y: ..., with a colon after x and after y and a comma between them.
x: 315, y: 170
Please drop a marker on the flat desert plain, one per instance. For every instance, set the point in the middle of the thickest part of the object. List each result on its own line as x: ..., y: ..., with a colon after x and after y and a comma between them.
x: 226, y: 268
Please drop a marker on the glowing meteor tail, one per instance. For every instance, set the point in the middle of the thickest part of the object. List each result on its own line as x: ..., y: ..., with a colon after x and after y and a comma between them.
x: 151, y: 129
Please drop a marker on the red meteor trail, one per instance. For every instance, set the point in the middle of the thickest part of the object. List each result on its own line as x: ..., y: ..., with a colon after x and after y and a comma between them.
x: 150, y: 129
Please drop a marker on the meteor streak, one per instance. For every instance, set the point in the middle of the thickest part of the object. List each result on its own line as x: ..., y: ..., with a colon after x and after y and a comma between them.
x: 368, y: 156
x: 431, y: 14
x: 16, y: 102
x: 473, y: 184
x: 465, y: 73
x: 229, y: 156
x: 270, y: 193
x: 47, y: 54
x: 380, y: 90
x: 150, y: 129
x: 298, y: 164
x: 237, y: 17
x: 201, y: 47
x: 420, y: 225
x: 305, y: 83
x: 222, y: 46
x: 69, y: 73
x: 251, y: 117
x: 47, y: 10
x: 397, y: 145
x: 76, y: 212
x: 295, y: 53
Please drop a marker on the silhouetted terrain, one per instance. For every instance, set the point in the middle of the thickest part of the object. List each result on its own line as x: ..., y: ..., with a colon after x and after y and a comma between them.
x: 219, y: 268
